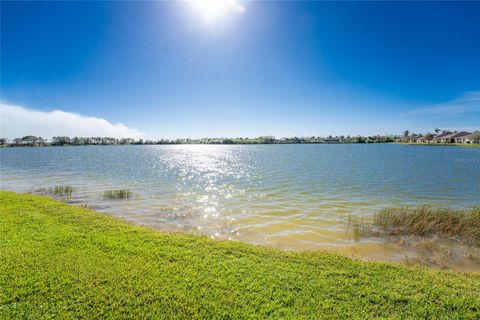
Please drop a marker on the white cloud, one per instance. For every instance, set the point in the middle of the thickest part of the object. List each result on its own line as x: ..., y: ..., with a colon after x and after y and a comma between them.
x: 17, y: 121
x: 468, y: 102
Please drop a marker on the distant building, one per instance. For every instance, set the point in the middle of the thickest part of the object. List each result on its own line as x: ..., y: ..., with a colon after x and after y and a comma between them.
x: 441, y: 138
x: 465, y: 138
x: 423, y: 140
x: 455, y: 137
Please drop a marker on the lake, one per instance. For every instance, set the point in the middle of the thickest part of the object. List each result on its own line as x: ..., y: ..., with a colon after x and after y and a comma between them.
x: 295, y: 197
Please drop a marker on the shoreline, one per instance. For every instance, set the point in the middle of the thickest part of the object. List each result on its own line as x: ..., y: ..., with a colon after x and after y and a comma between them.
x: 361, y: 239
x: 473, y: 145
x: 76, y: 262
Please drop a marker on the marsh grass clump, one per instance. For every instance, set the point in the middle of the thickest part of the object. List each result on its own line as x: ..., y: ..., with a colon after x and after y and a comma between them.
x: 117, y: 194
x: 428, y: 221
x: 62, y: 190
x: 360, y: 227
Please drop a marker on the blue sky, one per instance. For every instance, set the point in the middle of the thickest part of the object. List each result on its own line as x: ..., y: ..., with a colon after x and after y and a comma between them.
x: 272, y: 68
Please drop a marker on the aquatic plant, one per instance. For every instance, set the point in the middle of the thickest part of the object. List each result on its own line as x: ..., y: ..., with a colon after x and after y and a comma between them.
x: 117, y: 194
x: 360, y: 227
x: 62, y: 190
x: 426, y: 221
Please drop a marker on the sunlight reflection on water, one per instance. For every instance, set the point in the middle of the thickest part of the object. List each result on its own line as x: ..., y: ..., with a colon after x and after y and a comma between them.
x: 289, y: 196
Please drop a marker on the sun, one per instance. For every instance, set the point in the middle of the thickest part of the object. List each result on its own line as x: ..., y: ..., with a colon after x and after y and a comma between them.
x: 213, y: 10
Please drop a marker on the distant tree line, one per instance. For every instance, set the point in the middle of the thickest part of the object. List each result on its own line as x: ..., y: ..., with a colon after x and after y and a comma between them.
x: 31, y: 140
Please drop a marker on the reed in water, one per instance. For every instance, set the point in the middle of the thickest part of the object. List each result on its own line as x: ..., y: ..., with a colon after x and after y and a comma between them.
x: 426, y: 221
x: 117, y: 194
x: 62, y: 190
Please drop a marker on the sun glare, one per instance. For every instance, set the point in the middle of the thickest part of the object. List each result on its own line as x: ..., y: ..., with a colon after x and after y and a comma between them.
x: 212, y: 10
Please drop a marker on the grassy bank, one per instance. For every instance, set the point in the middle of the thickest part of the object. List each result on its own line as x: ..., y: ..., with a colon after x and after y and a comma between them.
x: 61, y: 261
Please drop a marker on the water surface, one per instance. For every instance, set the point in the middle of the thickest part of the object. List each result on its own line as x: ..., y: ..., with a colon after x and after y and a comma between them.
x: 289, y: 196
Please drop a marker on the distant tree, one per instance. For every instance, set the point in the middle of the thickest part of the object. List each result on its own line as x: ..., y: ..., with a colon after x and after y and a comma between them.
x: 428, y: 136
x: 3, y: 141
x: 406, y: 133
x: 60, y: 141
x: 40, y: 141
x: 476, y: 136
x: 32, y: 141
x: 266, y: 139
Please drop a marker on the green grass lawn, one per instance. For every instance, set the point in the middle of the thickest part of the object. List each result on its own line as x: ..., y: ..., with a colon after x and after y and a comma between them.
x: 61, y: 261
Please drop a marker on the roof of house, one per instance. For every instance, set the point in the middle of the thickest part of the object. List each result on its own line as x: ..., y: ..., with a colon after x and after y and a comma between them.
x: 441, y: 135
x: 461, y: 134
x: 453, y: 135
x: 466, y: 136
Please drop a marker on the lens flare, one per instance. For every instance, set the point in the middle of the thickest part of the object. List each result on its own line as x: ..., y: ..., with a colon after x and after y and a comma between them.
x: 213, y: 10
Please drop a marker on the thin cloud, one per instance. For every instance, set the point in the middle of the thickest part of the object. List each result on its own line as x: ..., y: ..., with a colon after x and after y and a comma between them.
x: 17, y: 121
x: 468, y: 102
